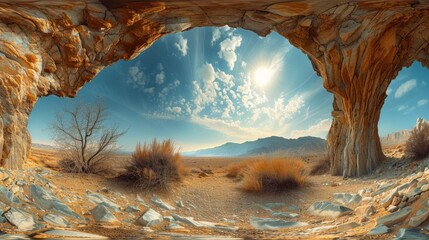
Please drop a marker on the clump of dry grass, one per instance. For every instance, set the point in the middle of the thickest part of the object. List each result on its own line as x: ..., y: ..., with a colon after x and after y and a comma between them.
x: 270, y: 175
x: 237, y: 169
x: 155, y: 165
x: 417, y: 146
x: 68, y: 165
x: 321, y: 167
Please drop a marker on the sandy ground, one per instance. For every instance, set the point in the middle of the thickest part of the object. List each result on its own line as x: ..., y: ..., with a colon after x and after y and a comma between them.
x: 216, y: 198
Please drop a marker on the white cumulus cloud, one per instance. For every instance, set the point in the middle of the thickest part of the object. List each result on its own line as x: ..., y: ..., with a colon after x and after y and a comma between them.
x: 405, y: 87
x: 160, y: 77
x: 182, y: 45
x: 215, y: 35
x: 422, y: 102
x: 227, y: 50
x: 136, y: 76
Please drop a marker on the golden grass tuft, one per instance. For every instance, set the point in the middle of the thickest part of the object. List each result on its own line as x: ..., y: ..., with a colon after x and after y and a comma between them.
x: 237, y: 169
x: 274, y: 175
x: 155, y: 165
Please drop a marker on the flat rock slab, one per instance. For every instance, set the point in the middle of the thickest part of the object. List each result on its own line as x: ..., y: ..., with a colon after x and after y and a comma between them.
x: 47, y: 201
x: 273, y: 224
x: 284, y: 214
x: 132, y: 208
x: 21, y: 219
x: 328, y: 209
x: 411, y: 233
x: 73, y: 234
x: 275, y: 205
x: 196, y: 237
x: 56, y: 220
x: 155, y: 199
x: 379, y: 229
x: 347, y: 198
x: 395, y: 217
x: 383, y: 188
x: 7, y: 197
x: 13, y: 236
x: 204, y: 224
x: 419, y: 219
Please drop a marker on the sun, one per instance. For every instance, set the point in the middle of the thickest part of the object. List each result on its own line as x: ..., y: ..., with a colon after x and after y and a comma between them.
x: 262, y: 76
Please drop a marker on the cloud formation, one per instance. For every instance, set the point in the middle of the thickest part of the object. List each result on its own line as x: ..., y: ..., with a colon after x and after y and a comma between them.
x: 215, y: 35
x: 405, y: 88
x: 227, y: 50
x: 136, y: 76
x: 160, y: 76
x: 182, y: 45
x: 422, y: 102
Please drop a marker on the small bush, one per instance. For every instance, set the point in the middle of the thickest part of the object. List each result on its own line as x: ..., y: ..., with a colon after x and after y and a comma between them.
x: 274, y: 175
x: 237, y: 170
x: 417, y: 146
x: 68, y: 165
x: 321, y: 167
x: 155, y: 165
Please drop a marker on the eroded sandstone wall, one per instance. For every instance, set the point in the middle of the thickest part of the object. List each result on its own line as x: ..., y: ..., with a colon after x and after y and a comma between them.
x: 358, y: 47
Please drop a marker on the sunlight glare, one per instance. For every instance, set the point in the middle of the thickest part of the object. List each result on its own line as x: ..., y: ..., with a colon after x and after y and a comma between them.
x: 262, y: 76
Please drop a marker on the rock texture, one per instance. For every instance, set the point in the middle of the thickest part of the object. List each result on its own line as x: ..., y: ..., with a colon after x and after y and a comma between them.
x: 357, y: 47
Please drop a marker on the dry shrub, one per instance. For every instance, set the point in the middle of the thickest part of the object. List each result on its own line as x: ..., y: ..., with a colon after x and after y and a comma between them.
x: 274, y: 175
x: 321, y: 167
x: 155, y: 165
x: 417, y: 146
x: 237, y: 170
x: 68, y: 165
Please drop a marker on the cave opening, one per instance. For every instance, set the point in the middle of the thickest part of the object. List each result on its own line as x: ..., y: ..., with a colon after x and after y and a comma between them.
x: 222, y: 83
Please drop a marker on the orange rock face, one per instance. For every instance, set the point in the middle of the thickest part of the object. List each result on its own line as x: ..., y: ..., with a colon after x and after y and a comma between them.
x: 358, y: 47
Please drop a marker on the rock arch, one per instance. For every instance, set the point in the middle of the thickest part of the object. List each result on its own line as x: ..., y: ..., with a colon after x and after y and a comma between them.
x: 55, y: 47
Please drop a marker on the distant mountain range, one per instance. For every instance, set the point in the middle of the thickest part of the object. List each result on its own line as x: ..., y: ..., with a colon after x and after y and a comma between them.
x: 395, y: 138
x: 265, y: 146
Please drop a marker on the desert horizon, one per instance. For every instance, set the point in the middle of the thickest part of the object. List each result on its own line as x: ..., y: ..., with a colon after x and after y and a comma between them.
x: 133, y: 119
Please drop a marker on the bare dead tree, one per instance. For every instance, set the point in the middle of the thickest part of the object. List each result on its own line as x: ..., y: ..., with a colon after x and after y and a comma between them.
x: 84, y: 139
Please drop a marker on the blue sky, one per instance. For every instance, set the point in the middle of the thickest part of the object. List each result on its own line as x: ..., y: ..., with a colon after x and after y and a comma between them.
x: 209, y: 86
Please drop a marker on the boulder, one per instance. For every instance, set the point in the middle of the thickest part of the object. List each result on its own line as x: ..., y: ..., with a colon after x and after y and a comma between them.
x: 365, y: 210
x: 102, y: 214
x: 23, y: 220
x: 150, y: 218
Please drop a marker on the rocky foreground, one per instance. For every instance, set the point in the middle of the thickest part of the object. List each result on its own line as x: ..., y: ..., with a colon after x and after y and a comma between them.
x: 395, y: 203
